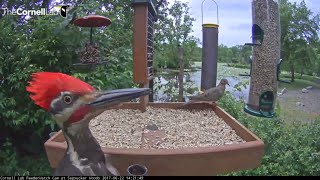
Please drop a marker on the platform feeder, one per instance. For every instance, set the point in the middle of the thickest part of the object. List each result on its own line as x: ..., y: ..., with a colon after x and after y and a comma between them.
x: 143, y: 28
x: 265, y: 58
x: 90, y: 55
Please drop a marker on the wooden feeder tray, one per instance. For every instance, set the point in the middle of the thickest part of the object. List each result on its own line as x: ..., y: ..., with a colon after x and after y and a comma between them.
x: 200, y: 161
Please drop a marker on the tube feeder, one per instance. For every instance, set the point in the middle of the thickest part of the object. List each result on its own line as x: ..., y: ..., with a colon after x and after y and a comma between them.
x: 143, y: 28
x: 90, y: 55
x: 209, y: 53
x: 265, y: 58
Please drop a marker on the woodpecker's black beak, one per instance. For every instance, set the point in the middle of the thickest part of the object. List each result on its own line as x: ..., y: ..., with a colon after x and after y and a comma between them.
x: 114, y: 97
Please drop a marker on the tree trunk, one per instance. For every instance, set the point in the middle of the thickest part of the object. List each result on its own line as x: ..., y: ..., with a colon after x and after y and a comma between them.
x: 292, y: 72
x: 181, y: 73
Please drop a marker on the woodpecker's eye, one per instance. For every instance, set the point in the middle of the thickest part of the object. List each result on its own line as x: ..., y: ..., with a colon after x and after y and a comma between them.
x: 67, y: 99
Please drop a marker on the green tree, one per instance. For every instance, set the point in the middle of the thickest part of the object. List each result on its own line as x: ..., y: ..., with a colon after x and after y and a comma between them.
x: 174, y: 28
x: 51, y: 43
x: 299, y: 35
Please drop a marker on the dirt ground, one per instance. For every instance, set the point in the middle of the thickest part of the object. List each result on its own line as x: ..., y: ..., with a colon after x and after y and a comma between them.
x: 308, y: 112
x: 310, y: 100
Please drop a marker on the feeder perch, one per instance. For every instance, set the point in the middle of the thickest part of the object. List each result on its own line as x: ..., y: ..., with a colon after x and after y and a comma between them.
x: 265, y: 106
x: 250, y: 61
x: 278, y: 73
x: 90, y: 55
x: 143, y: 28
x: 265, y: 57
x: 257, y: 36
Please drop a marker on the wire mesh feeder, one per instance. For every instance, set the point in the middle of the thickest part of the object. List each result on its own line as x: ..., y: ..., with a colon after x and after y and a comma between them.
x: 90, y: 55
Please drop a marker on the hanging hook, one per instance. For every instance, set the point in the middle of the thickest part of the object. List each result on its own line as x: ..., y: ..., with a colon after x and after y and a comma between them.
x: 217, y: 10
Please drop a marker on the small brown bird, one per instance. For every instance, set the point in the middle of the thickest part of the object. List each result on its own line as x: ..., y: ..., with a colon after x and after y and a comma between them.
x: 211, y: 95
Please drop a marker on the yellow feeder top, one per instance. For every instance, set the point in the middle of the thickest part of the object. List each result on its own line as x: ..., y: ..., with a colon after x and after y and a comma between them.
x: 210, y: 25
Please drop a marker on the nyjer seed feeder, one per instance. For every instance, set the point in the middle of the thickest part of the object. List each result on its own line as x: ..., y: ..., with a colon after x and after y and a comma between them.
x: 265, y: 58
x: 90, y: 55
x: 210, y: 33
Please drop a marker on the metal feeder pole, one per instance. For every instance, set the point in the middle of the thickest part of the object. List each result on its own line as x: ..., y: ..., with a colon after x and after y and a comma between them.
x: 209, y: 52
x: 91, y: 38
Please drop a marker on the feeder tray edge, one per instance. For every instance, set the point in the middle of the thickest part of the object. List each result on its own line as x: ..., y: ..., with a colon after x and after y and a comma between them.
x: 185, y: 161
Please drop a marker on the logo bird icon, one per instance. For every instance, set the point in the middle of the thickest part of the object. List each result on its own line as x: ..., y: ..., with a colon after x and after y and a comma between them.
x: 63, y: 10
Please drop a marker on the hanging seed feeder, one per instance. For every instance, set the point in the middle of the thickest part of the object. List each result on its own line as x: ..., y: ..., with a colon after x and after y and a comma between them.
x: 265, y: 65
x: 210, y: 37
x: 90, y: 55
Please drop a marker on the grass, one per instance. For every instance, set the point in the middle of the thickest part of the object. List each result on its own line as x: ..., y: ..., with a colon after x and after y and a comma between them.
x: 237, y: 65
x: 287, y: 74
x: 299, y: 83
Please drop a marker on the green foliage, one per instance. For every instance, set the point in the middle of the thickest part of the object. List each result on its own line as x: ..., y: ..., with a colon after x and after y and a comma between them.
x: 240, y: 85
x: 51, y: 43
x: 8, y: 160
x: 289, y: 150
x: 12, y: 164
x: 299, y: 38
x: 239, y: 54
x: 173, y: 31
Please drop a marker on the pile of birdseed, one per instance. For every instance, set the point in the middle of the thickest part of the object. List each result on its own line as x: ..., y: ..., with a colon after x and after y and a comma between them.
x: 123, y: 128
x: 90, y: 54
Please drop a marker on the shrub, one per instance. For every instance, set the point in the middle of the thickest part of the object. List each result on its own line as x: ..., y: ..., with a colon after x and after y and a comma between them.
x: 289, y: 149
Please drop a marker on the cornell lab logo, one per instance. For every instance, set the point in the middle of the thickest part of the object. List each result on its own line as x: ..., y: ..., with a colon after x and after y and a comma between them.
x: 61, y: 9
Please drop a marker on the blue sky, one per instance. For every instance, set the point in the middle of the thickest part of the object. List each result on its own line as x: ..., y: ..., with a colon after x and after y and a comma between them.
x: 235, y: 18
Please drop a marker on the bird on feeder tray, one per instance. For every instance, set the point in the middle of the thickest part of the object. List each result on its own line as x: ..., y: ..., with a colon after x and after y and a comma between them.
x: 72, y: 104
x: 211, y: 95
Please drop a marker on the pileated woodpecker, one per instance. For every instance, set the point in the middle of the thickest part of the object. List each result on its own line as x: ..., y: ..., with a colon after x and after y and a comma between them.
x: 73, y: 103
